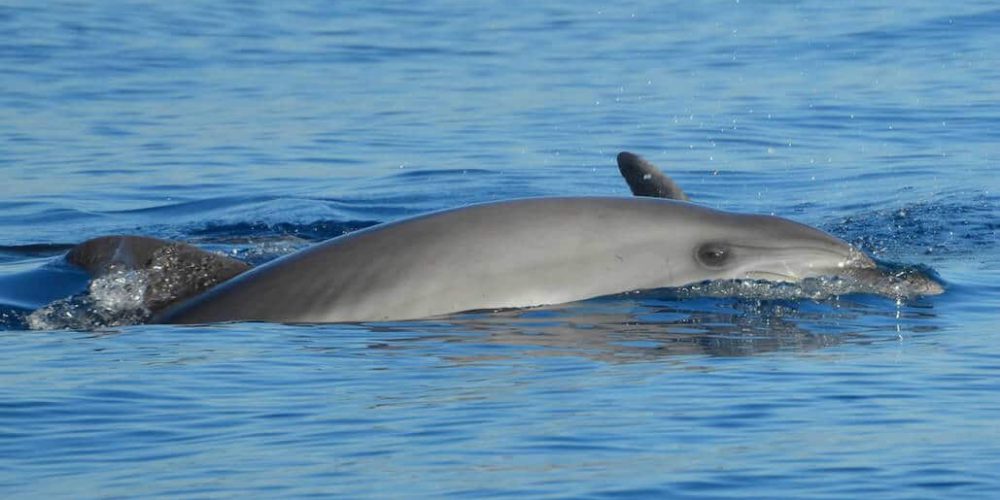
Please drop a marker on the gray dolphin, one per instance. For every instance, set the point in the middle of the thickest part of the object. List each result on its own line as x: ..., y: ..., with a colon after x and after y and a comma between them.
x: 519, y: 253
x: 508, y: 254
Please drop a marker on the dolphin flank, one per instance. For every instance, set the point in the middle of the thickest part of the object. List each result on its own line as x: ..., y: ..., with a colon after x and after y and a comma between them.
x: 518, y: 253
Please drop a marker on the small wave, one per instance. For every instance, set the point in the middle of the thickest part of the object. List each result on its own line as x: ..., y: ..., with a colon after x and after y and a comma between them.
x: 448, y: 174
x: 937, y: 30
x: 199, y: 207
x: 32, y: 250
x: 953, y: 227
x: 310, y: 231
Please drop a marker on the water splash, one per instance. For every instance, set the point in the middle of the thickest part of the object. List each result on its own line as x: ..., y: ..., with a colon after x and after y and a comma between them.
x: 127, y: 293
x: 116, y: 299
x: 897, y: 282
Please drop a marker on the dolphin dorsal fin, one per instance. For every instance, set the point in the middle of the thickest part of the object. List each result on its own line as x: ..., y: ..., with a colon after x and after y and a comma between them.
x: 98, y: 255
x: 646, y: 180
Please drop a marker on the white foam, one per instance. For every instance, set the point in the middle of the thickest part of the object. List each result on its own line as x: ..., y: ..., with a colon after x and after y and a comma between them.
x: 115, y: 299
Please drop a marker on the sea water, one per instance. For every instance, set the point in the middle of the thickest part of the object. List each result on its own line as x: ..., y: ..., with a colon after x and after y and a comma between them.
x: 255, y: 128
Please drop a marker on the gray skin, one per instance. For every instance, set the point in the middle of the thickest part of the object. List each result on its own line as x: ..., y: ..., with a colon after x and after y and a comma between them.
x: 519, y: 253
x: 644, y: 179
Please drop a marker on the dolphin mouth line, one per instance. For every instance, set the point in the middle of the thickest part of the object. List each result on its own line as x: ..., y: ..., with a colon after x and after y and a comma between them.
x: 849, y: 253
x: 847, y: 258
x: 850, y: 256
x: 770, y: 276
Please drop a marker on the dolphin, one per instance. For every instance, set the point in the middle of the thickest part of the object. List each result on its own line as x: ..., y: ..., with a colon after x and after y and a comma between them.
x: 499, y: 255
x: 520, y: 253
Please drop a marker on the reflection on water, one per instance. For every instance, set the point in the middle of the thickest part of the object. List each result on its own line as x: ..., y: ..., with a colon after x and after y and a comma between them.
x: 658, y: 324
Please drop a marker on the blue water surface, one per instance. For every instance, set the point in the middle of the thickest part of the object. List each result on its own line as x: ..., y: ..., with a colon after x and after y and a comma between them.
x: 255, y: 128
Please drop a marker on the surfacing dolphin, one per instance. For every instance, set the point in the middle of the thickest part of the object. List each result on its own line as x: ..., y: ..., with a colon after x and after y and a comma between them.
x: 530, y: 252
x: 508, y: 254
x: 519, y: 253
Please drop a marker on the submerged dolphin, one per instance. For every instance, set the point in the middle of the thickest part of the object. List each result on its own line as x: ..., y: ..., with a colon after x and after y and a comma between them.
x: 508, y: 254
x: 173, y: 271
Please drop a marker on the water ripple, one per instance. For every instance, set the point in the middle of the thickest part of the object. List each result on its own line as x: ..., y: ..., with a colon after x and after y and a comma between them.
x: 256, y: 128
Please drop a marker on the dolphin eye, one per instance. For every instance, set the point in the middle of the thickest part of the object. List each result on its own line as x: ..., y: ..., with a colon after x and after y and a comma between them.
x: 712, y: 254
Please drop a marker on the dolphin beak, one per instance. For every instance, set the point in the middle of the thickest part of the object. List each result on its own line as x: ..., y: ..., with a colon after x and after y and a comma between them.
x: 853, y: 270
x: 896, y: 281
x: 887, y: 280
x: 797, y: 262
